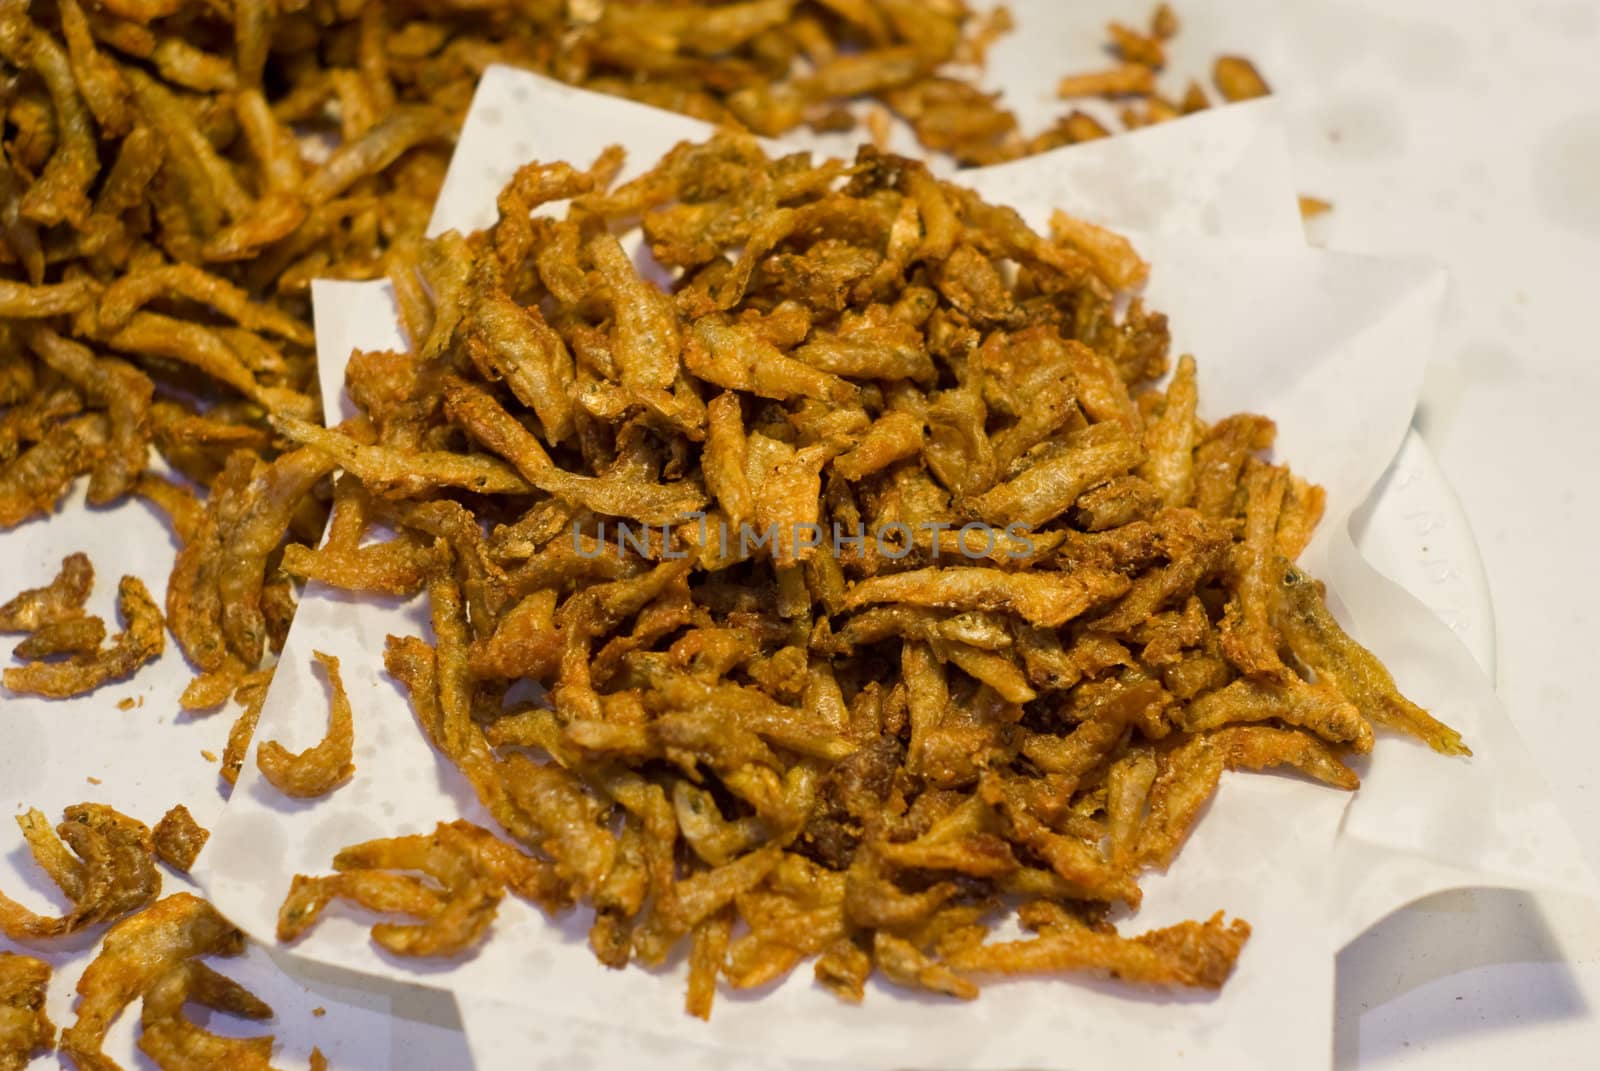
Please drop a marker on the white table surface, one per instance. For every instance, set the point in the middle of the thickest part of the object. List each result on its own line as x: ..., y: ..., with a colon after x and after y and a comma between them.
x: 1469, y: 131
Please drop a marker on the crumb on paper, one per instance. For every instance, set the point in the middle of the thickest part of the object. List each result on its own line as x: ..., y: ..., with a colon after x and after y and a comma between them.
x: 319, y: 1012
x: 1164, y: 23
x: 209, y: 756
x: 974, y: 50
x: 126, y: 703
x: 179, y: 839
x: 878, y: 127
x: 93, y: 780
x: 1311, y: 207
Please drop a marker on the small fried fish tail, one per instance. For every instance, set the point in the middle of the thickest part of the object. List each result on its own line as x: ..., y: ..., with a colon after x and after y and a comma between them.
x: 1318, y: 641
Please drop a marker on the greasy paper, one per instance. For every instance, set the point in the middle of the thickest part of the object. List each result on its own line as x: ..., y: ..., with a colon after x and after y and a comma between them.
x: 1330, y: 346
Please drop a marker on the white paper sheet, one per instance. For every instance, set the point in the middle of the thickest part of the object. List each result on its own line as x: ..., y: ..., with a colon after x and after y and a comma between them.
x: 1330, y: 346
x: 1222, y: 171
